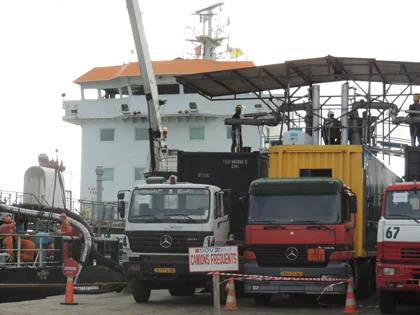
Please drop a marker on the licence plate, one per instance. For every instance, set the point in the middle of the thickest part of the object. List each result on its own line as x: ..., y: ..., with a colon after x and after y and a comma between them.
x: 165, y: 270
x: 316, y: 254
x: 291, y: 273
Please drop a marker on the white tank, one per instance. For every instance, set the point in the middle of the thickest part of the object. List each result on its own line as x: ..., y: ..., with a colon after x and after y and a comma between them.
x: 296, y: 136
x: 38, y: 187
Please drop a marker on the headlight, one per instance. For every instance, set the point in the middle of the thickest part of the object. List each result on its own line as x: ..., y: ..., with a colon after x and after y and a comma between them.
x: 388, y: 271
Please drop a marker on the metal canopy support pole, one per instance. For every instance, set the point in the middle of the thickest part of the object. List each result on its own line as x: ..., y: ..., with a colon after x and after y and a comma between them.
x: 99, y: 172
x: 344, y: 113
x: 315, y: 112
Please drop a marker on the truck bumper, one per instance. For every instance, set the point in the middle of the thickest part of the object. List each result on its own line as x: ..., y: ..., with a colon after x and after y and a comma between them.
x: 336, y: 269
x: 164, y: 274
x: 406, y: 278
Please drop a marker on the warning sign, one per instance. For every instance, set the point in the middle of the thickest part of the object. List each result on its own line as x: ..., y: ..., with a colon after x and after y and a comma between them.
x: 208, y: 259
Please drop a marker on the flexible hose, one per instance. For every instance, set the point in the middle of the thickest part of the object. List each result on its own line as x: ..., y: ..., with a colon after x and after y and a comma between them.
x: 94, y: 252
x: 56, y: 217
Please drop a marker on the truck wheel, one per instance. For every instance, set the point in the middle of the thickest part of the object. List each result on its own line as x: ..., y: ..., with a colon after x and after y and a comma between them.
x: 141, y: 291
x: 187, y: 291
x: 262, y: 299
x: 363, y: 288
x: 387, y: 302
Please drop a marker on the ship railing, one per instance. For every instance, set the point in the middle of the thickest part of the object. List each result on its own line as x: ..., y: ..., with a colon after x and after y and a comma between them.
x: 47, y: 256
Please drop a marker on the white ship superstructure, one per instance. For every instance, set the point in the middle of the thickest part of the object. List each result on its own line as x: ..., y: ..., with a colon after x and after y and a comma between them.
x: 114, y: 121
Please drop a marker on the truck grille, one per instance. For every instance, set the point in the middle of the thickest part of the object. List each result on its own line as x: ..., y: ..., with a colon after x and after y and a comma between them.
x: 275, y: 255
x: 410, y: 253
x: 401, y: 251
x: 149, y: 241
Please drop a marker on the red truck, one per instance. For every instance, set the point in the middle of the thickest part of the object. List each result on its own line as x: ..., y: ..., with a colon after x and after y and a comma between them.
x: 398, y: 262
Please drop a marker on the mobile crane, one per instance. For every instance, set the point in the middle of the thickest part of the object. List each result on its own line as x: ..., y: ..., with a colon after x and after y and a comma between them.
x: 157, y: 134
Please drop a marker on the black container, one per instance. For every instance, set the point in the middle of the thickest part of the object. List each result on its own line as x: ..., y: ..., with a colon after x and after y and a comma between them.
x: 412, y: 164
x: 226, y: 170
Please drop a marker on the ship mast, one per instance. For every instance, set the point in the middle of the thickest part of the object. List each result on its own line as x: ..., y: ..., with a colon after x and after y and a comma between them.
x: 208, y: 41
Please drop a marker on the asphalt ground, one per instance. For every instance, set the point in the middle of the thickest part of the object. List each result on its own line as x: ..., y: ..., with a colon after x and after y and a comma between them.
x: 201, y: 304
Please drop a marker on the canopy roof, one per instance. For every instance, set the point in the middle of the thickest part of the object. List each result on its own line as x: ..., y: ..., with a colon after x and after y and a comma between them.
x: 301, y: 73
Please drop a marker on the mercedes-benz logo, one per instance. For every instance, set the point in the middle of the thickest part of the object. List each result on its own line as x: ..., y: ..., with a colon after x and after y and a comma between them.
x: 165, y: 241
x: 292, y: 253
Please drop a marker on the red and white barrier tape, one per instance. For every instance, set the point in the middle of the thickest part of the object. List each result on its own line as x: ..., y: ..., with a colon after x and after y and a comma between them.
x: 273, y: 278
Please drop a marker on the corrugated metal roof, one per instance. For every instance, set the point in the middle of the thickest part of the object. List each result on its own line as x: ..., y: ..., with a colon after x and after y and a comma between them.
x: 166, y: 67
x: 302, y: 73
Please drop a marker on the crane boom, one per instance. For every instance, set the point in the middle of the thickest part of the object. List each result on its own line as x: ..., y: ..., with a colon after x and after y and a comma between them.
x: 149, y: 85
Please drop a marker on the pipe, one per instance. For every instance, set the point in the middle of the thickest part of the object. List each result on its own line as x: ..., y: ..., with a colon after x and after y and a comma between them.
x: 344, y: 113
x: 315, y: 113
x: 94, y: 252
x: 252, y: 122
x: 55, y: 217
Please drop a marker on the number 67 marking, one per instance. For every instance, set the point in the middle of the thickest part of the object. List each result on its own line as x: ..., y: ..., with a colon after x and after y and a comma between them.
x: 390, y: 234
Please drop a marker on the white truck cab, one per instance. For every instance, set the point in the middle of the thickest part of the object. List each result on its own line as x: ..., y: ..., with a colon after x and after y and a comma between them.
x: 163, y: 220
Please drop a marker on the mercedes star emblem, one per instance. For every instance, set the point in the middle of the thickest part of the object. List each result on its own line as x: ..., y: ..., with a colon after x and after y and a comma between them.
x: 165, y: 241
x: 292, y: 253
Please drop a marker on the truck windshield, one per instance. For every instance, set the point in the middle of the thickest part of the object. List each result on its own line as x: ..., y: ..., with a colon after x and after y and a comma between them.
x: 402, y: 205
x: 164, y: 205
x: 322, y: 209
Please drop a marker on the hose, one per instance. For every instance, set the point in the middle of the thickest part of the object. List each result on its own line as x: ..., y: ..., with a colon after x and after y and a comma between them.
x: 94, y: 252
x: 56, y: 217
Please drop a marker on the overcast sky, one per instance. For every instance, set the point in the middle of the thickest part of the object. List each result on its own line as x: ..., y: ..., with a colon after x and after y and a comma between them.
x: 46, y: 44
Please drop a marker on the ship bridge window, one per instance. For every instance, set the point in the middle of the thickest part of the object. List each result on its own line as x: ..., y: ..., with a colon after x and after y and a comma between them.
x: 321, y: 172
x: 137, y: 90
x: 189, y: 90
x: 110, y: 93
x: 168, y: 89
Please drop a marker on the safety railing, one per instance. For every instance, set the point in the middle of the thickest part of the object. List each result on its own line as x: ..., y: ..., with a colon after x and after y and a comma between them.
x: 51, y: 250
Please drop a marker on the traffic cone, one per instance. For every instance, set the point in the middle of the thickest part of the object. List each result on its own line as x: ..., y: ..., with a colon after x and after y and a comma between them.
x: 69, y: 300
x: 231, y: 297
x: 351, y: 306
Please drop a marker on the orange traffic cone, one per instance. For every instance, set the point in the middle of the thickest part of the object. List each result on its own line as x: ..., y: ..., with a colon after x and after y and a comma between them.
x: 351, y: 306
x: 231, y: 297
x: 69, y: 300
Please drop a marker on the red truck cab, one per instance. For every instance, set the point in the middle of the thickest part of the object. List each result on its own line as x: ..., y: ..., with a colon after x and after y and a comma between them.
x: 398, y: 261
x: 299, y: 227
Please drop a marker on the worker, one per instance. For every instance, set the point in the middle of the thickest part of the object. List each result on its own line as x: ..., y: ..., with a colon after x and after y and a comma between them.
x: 74, y: 233
x: 50, y: 252
x: 236, y: 129
x: 415, y: 128
x: 28, y: 253
x: 331, y: 130
x: 65, y: 230
x: 7, y: 229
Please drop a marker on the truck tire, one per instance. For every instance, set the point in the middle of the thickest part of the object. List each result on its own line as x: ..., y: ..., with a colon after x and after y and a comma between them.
x: 141, y: 290
x: 387, y: 302
x: 262, y: 299
x: 187, y: 291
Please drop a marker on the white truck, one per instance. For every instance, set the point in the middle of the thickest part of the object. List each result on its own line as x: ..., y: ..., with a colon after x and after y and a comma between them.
x: 163, y: 220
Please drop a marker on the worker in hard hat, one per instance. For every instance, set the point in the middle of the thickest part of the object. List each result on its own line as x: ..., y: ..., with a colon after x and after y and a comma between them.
x: 415, y: 128
x: 65, y: 230
x: 7, y: 229
x: 331, y: 129
x: 236, y: 129
x: 28, y: 249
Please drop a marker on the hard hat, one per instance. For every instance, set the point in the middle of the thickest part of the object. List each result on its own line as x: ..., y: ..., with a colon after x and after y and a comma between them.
x: 417, y: 97
x: 330, y: 113
x: 7, y: 220
x: 239, y: 107
x: 63, y: 215
x: 26, y: 235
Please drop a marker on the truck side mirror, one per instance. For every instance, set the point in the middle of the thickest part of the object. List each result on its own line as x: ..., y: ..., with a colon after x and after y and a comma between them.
x: 121, y: 208
x: 353, y: 204
x: 227, y: 193
x: 121, y: 195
